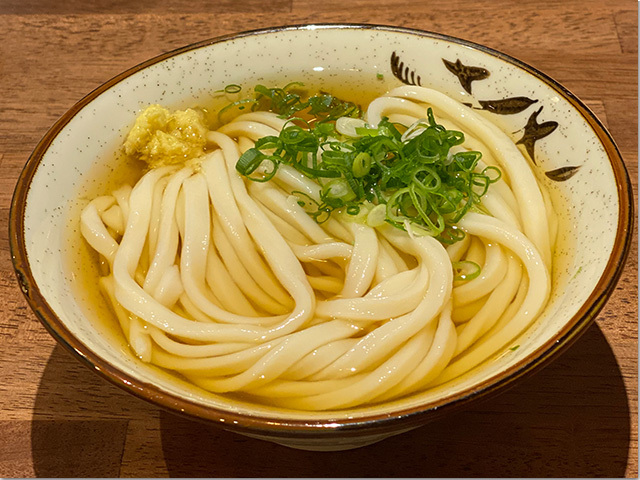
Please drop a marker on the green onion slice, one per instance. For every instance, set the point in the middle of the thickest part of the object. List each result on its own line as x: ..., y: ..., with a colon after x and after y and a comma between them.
x: 465, y: 270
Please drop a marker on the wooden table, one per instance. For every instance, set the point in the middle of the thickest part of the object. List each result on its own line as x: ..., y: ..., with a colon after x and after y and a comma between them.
x: 575, y: 418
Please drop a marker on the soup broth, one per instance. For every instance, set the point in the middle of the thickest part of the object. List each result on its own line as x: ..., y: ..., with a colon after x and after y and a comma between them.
x: 429, y: 335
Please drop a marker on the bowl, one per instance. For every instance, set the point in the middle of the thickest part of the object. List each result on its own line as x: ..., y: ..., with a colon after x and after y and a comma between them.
x: 568, y: 146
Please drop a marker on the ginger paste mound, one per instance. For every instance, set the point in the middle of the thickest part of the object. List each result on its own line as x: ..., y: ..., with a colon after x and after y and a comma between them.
x: 160, y: 137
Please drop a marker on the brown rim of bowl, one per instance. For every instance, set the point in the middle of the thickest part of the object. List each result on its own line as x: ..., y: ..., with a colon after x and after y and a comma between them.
x: 409, y: 417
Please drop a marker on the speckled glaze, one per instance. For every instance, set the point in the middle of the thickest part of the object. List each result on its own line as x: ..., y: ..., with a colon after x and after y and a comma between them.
x: 571, y: 152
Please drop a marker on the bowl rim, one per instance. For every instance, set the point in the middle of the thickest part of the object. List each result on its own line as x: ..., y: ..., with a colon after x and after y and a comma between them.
x: 407, y: 416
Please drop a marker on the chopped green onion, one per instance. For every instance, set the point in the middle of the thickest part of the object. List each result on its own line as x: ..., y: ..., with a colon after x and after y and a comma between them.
x: 377, y: 216
x: 411, y: 178
x: 465, y: 270
x: 353, y: 209
x: 254, y: 158
x: 232, y: 88
x: 240, y: 104
x: 249, y: 161
x: 337, y: 191
x: 361, y: 164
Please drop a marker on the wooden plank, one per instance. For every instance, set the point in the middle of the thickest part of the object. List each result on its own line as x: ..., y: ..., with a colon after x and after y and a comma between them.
x: 627, y: 29
x: 84, y: 449
x: 63, y: 7
x: 143, y: 453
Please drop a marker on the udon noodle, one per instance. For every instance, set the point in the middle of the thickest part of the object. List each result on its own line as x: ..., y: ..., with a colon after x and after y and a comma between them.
x: 232, y: 285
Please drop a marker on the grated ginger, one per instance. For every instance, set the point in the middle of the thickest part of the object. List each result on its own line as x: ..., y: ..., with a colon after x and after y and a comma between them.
x: 160, y: 137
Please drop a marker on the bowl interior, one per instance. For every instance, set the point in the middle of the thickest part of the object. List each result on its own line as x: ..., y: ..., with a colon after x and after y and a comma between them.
x: 76, y: 161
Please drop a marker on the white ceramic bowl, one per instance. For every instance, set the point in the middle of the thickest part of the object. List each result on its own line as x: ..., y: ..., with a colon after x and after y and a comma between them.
x: 584, y: 173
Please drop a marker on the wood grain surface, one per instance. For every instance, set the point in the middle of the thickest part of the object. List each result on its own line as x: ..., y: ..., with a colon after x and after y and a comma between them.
x: 575, y: 418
